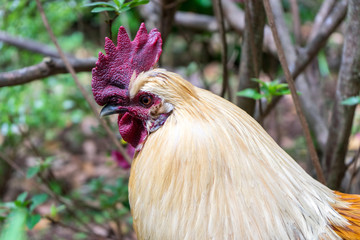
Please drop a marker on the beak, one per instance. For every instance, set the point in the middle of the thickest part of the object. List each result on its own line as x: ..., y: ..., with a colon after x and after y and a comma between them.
x: 109, y: 109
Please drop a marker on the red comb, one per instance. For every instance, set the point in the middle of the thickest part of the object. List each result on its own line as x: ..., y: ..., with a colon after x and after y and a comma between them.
x: 113, y: 71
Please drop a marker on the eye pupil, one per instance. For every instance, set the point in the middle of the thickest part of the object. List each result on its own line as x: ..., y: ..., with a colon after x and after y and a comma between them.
x: 146, y: 100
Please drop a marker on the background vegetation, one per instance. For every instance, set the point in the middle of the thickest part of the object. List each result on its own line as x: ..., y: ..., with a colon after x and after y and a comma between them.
x: 63, y: 172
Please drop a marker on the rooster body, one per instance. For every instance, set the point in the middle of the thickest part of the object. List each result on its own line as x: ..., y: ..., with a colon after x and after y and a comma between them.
x: 204, y: 169
x: 212, y: 172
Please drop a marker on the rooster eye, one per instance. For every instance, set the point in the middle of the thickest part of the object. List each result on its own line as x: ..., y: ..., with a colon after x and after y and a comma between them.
x: 146, y: 100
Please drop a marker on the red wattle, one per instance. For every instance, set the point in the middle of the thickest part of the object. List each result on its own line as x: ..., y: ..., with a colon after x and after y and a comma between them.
x: 132, y: 129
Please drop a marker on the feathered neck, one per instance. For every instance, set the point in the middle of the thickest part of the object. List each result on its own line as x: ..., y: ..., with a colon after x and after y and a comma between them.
x: 213, y: 168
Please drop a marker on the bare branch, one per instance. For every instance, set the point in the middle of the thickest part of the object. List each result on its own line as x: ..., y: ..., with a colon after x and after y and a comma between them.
x: 315, y: 93
x: 220, y: 20
x: 296, y: 22
x: 294, y: 95
x: 160, y: 14
x: 168, y: 9
x: 236, y: 18
x: 323, y: 13
x: 48, y: 67
x: 314, y: 46
x: 79, y: 85
x: 354, y: 161
x: 233, y: 14
x: 29, y: 44
x: 348, y: 85
x: 197, y: 21
x: 311, y: 110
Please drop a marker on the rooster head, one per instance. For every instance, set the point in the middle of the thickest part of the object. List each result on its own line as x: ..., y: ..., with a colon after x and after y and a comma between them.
x: 111, y: 78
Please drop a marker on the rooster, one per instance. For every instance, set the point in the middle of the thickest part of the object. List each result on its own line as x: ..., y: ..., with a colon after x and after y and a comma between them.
x: 203, y: 168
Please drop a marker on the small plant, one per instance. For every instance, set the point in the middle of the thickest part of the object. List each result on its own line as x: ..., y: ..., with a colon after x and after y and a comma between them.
x: 267, y: 90
x: 25, y: 206
x: 39, y: 167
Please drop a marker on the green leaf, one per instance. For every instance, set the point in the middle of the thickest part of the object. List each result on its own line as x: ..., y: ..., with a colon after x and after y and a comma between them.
x: 9, y: 205
x: 323, y: 64
x: 258, y: 81
x: 119, y: 3
x: 100, y: 4
x: 351, y: 101
x: 47, y: 163
x: 80, y: 236
x: 49, y: 160
x: 15, y: 226
x: 249, y: 93
x: 53, y: 211
x: 135, y: 3
x: 103, y: 9
x: 32, y: 220
x: 55, y: 186
x: 22, y: 197
x: 124, y: 9
x: 282, y: 92
x: 37, y: 200
x: 281, y: 86
x: 19, y: 204
x: 32, y: 171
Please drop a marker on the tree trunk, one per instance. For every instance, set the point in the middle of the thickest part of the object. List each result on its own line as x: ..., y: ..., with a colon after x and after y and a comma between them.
x: 251, y: 56
x: 348, y: 85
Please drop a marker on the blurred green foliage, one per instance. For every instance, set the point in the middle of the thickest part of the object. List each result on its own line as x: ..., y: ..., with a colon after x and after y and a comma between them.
x: 268, y: 90
x: 41, y: 110
x: 117, y: 6
x: 199, y: 6
x: 25, y: 206
x: 43, y: 106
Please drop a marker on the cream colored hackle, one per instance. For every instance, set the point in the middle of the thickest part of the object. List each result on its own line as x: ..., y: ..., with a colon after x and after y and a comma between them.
x: 212, y: 172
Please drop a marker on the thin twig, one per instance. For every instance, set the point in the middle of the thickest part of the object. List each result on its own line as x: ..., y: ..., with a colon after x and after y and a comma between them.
x: 75, y: 229
x: 79, y: 85
x: 43, y: 187
x: 296, y: 21
x: 256, y: 67
x: 323, y: 13
x: 220, y: 19
x: 69, y: 206
x: 12, y: 164
x: 294, y: 95
x: 235, y: 17
x: 16, y: 167
x: 194, y: 21
x: 355, y: 160
x: 30, y: 45
x: 249, y: 27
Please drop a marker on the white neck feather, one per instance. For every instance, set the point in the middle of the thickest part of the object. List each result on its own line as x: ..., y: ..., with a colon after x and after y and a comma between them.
x: 212, y: 172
